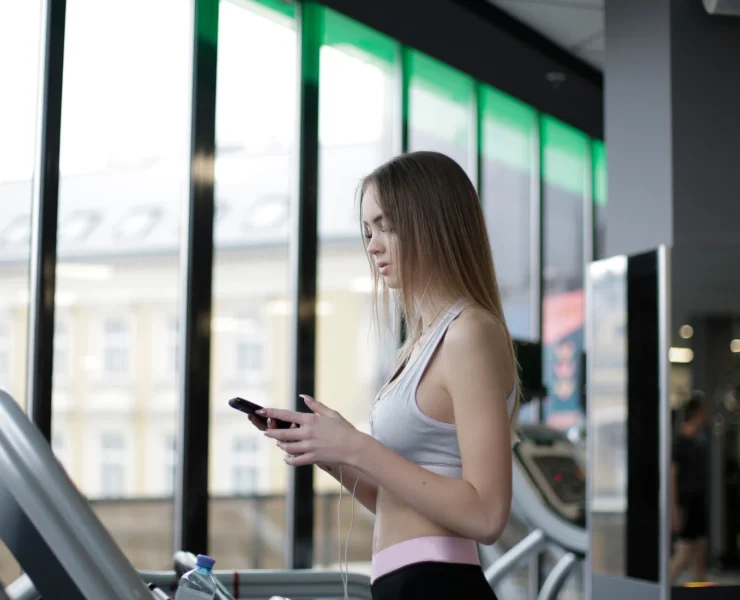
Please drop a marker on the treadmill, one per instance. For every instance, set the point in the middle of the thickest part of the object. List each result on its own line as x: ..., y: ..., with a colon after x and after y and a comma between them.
x: 65, y: 551
x: 549, y: 498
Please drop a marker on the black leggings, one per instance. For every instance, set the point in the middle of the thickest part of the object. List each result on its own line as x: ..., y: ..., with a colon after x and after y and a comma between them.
x: 433, y: 581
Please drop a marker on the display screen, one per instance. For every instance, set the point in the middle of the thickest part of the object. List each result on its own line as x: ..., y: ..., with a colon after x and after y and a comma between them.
x: 565, y: 476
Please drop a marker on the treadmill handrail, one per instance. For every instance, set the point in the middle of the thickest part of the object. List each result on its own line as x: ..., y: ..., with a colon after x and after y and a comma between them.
x: 530, y: 546
x: 557, y: 577
x: 298, y: 584
x: 31, y: 475
x: 22, y: 589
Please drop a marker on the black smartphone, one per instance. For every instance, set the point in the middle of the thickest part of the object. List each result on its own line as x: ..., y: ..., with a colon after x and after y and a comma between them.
x: 251, y: 408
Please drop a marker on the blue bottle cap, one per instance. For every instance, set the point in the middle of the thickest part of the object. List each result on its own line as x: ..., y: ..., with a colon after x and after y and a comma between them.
x: 205, y: 561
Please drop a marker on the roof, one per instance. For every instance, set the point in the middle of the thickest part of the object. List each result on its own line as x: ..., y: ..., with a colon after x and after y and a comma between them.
x: 137, y: 210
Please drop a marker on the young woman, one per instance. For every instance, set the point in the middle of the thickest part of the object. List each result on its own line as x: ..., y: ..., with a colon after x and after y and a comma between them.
x: 436, y: 469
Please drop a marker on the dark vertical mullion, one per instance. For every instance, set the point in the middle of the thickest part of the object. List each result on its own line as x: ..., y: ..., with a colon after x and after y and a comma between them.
x: 538, y: 203
x: 536, y: 230
x: 589, y: 215
x: 303, y: 256
x: 538, y: 565
x: 44, y: 217
x: 587, y: 234
x: 404, y: 93
x: 476, y: 142
x: 196, y: 270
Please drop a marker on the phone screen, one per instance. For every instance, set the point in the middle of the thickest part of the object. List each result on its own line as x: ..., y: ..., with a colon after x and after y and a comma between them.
x: 251, y: 408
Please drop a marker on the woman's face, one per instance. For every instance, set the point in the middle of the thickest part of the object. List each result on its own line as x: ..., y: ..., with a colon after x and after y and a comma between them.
x: 380, y: 240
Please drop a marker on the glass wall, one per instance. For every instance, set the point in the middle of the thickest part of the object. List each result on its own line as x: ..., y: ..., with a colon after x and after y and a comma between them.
x: 510, y: 189
x: 442, y: 112
x: 123, y: 180
x: 565, y: 172
x: 124, y: 165
x: 358, y: 111
x: 255, y: 144
x: 19, y: 62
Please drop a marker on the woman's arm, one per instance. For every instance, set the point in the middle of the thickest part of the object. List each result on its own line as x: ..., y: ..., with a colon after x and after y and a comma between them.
x: 478, y: 374
x: 366, y: 492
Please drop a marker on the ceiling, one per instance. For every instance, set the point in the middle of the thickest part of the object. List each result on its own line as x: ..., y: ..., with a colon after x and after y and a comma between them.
x: 575, y: 25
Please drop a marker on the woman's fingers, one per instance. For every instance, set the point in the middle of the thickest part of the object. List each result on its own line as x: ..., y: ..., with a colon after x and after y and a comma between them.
x: 318, y: 407
x: 258, y: 423
x: 286, y: 415
x: 294, y: 448
x: 286, y: 435
x: 300, y: 460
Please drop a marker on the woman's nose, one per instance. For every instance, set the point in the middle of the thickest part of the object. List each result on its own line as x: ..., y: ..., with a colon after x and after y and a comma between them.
x: 373, y: 247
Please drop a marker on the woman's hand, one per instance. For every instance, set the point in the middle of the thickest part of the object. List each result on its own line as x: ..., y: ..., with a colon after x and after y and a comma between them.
x: 322, y: 437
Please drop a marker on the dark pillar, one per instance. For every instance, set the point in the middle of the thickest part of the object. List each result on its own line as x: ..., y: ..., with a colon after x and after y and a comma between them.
x: 304, y: 251
x: 44, y: 219
x: 196, y: 281
x: 671, y: 101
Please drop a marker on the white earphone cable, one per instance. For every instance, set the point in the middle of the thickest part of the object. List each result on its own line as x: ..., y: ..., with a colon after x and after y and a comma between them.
x: 344, y: 571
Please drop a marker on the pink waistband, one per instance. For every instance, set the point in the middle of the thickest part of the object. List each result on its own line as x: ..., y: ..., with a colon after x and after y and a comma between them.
x: 424, y: 549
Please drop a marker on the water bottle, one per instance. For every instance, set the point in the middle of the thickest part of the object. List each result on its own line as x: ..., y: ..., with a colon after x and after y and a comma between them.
x: 198, y: 584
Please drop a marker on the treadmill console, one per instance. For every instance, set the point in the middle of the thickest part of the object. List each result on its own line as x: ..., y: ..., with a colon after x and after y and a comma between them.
x: 552, y: 463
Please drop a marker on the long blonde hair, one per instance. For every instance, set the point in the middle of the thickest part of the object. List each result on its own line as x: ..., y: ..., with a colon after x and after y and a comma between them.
x: 431, y: 205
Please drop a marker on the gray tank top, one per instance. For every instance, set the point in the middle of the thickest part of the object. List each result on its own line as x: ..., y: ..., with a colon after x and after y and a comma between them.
x: 397, y: 421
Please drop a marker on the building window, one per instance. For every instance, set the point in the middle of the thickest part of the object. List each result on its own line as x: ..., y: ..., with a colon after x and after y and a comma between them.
x: 249, y: 348
x: 116, y: 344
x: 113, y: 465
x: 78, y: 225
x: 170, y: 473
x: 245, y: 469
x: 171, y: 347
x: 137, y: 223
x: 4, y: 354
x: 61, y: 350
x: 18, y: 233
x: 58, y: 446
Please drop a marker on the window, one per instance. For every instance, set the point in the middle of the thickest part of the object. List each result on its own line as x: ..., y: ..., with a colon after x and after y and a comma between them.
x: 78, y: 225
x: 565, y: 171
x: 170, y: 464
x: 137, y: 223
x: 124, y: 158
x: 249, y: 360
x: 112, y: 465
x: 245, y: 469
x: 20, y: 31
x: 510, y: 189
x: 61, y: 351
x: 17, y: 233
x: 59, y: 446
x: 255, y: 179
x: 171, y: 348
x: 5, y: 345
x: 357, y: 113
x: 269, y: 212
x: 442, y: 111
x: 116, y: 347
